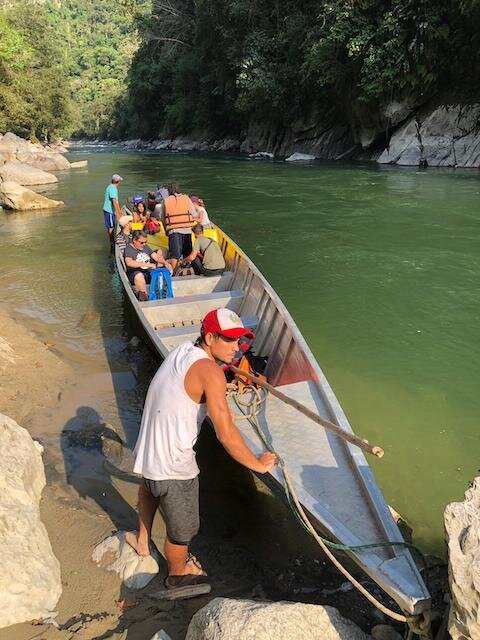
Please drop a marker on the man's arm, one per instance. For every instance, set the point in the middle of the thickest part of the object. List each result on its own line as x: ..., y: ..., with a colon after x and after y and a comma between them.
x: 117, y: 209
x: 159, y: 259
x: 136, y: 264
x: 213, y: 381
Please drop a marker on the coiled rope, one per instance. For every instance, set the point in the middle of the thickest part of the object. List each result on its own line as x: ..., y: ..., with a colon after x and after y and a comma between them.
x: 418, y: 624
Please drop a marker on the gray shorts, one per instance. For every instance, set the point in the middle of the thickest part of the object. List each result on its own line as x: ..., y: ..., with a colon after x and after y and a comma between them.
x: 178, y: 504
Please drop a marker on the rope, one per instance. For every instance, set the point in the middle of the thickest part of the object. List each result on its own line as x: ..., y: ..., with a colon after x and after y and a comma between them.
x: 419, y: 624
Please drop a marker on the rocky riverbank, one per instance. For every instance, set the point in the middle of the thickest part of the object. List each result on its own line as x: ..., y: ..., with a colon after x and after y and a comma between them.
x: 90, y: 493
x: 445, y: 136
x: 24, y: 163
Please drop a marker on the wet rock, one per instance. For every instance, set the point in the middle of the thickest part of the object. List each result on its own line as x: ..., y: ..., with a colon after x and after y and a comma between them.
x: 88, y: 317
x: 30, y: 577
x: 300, y: 157
x: 102, y: 437
x: 47, y: 161
x: 462, y: 527
x: 79, y: 164
x: 161, y: 635
x: 14, y: 196
x: 232, y: 619
x: 25, y: 174
x: 262, y: 154
x: 115, y: 554
x: 385, y: 632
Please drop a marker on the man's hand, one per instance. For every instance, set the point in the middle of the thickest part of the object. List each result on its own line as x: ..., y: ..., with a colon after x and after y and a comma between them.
x: 268, y: 460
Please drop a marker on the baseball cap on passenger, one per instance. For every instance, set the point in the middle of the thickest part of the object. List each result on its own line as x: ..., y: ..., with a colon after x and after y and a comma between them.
x: 226, y: 323
x: 123, y: 220
x: 116, y: 178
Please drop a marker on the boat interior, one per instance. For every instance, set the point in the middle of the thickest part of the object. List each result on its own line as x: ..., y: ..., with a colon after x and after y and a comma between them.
x: 332, y: 477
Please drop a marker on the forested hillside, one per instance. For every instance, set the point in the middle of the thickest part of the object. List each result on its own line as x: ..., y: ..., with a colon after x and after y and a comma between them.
x: 222, y: 65
x: 138, y: 68
x: 63, y: 64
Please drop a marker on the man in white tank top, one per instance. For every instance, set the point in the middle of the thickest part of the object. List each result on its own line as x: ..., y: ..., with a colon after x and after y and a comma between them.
x: 188, y: 386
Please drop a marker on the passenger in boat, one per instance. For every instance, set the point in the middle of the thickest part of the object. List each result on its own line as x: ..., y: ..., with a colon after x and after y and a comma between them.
x: 178, y: 217
x: 188, y: 385
x: 125, y: 235
x: 201, y: 212
x: 151, y: 225
x: 213, y: 263
x: 111, y: 207
x: 140, y: 260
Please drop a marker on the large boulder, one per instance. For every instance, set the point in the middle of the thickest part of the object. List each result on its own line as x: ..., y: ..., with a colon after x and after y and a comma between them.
x: 14, y: 196
x: 448, y: 137
x: 47, y: 161
x: 13, y: 144
x: 462, y: 527
x: 225, y: 619
x: 25, y: 174
x: 30, y: 577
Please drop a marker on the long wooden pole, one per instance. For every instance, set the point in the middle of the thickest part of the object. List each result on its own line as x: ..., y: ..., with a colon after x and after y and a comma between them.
x: 341, y: 433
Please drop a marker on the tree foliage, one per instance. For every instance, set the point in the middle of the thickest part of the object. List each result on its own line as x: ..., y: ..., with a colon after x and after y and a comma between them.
x: 33, y: 86
x: 218, y: 65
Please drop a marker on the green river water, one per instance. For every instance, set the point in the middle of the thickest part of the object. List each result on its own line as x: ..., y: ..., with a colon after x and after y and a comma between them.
x: 379, y: 266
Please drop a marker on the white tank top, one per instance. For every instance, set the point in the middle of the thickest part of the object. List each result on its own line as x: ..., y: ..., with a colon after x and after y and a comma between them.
x: 171, y: 421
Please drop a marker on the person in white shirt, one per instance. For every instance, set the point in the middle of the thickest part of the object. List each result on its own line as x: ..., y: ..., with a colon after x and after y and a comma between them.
x: 188, y: 386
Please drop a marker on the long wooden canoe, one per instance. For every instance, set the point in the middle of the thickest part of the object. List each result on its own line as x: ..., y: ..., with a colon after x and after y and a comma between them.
x: 332, y: 478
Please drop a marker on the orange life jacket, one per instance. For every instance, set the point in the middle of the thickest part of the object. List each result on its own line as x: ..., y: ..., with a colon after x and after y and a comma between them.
x: 177, y: 213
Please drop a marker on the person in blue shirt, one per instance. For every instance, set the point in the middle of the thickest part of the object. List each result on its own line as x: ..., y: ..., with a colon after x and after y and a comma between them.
x: 111, y: 208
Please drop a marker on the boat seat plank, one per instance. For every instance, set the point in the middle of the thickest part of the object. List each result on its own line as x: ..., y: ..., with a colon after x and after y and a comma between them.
x: 318, y: 462
x: 188, y: 309
x: 198, y: 297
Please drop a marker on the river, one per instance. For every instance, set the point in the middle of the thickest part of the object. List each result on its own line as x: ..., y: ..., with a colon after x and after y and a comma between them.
x: 379, y: 266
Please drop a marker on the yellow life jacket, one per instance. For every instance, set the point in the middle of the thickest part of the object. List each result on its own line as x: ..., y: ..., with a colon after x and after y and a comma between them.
x: 177, y: 213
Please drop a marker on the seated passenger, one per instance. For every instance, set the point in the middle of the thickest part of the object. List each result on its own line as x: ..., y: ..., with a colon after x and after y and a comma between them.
x: 213, y: 263
x: 141, y: 211
x: 125, y: 235
x: 151, y: 225
x: 140, y: 260
x: 202, y: 215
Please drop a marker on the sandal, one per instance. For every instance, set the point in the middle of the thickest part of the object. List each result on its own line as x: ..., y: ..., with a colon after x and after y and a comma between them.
x: 182, y: 587
x: 196, y: 563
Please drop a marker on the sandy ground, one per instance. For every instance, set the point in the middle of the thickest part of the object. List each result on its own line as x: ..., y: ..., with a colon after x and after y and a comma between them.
x: 249, y: 542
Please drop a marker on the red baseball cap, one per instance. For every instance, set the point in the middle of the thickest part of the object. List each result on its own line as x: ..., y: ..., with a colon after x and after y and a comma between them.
x: 226, y: 323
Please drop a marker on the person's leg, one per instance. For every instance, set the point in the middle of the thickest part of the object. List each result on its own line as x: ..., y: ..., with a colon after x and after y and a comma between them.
x: 147, y: 505
x: 141, y: 284
x: 179, y: 508
x: 175, y: 248
x: 109, y: 222
x: 187, y: 247
x: 198, y: 267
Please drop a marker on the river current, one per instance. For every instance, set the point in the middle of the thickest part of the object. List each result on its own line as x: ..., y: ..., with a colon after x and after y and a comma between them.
x: 379, y: 266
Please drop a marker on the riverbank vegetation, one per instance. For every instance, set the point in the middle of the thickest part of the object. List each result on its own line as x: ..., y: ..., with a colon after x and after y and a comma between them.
x: 147, y: 69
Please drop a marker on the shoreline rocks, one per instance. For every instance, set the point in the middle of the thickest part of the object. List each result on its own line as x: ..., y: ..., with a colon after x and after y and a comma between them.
x: 25, y: 163
x: 30, y: 578
x: 462, y: 530
x: 25, y: 174
x: 14, y: 196
x: 406, y: 134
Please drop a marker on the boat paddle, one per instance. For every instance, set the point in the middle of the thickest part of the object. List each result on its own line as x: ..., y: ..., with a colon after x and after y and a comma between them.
x: 341, y: 433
